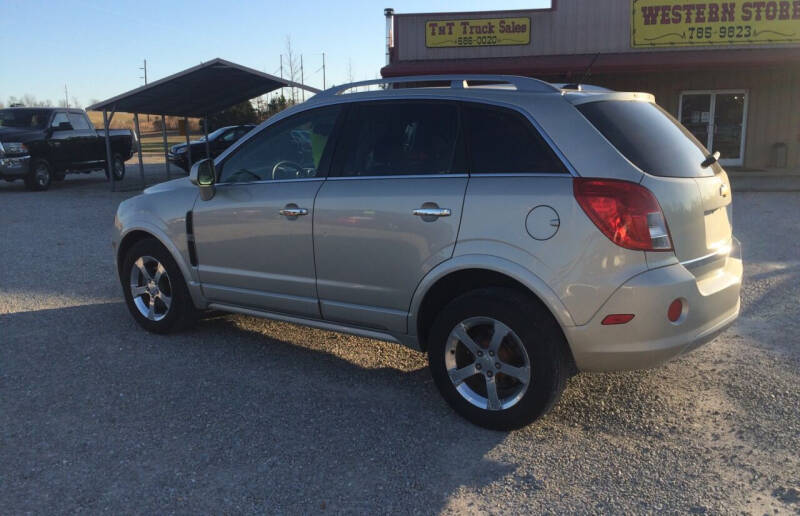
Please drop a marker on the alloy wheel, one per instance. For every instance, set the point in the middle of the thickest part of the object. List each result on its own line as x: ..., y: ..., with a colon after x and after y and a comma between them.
x: 150, y: 288
x: 487, y: 363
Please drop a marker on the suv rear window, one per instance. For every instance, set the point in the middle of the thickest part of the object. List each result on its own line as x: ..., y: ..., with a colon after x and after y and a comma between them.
x: 649, y: 137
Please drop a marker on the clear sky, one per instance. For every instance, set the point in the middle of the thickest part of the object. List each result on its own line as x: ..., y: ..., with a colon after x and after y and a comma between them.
x: 97, y: 47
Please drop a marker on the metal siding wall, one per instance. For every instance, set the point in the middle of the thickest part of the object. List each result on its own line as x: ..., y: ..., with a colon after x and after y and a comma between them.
x: 773, y: 103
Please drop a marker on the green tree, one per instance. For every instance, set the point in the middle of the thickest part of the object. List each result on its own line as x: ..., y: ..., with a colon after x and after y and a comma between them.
x: 242, y: 113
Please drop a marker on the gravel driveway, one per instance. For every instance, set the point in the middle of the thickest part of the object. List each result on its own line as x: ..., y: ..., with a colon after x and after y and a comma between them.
x: 247, y: 415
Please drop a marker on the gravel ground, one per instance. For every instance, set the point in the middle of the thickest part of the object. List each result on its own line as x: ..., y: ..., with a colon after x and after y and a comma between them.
x: 247, y: 415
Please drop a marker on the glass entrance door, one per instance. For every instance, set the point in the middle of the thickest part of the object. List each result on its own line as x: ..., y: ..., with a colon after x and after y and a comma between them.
x: 718, y: 120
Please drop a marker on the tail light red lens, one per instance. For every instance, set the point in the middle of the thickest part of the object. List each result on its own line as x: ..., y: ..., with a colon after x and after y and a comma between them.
x: 627, y: 213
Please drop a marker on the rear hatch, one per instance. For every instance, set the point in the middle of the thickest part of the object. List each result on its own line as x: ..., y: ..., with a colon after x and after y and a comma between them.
x: 696, y: 200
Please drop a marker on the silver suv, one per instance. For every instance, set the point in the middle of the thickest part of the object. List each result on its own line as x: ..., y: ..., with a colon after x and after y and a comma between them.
x: 515, y: 230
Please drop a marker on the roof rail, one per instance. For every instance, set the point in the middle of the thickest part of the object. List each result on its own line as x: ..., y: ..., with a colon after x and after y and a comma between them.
x: 526, y: 84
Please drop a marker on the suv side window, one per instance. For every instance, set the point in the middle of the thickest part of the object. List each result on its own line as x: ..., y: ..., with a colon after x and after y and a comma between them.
x: 502, y: 141
x: 78, y: 122
x: 291, y: 149
x: 400, y: 138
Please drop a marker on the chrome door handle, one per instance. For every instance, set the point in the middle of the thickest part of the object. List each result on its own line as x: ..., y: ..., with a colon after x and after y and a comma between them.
x: 432, y: 212
x: 293, y: 211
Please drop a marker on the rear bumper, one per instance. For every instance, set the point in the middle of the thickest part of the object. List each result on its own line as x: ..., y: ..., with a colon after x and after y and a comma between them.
x: 650, y: 339
x: 14, y: 168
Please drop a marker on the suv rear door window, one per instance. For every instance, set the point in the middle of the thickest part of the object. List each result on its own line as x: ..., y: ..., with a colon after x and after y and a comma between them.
x: 401, y: 138
x: 649, y: 137
x: 502, y: 141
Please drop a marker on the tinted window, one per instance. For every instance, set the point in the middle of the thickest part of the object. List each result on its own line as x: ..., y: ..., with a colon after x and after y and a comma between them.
x: 502, y: 141
x: 229, y: 136
x: 291, y: 149
x: 58, y: 119
x: 78, y: 122
x: 649, y: 137
x: 24, y: 118
x: 400, y: 138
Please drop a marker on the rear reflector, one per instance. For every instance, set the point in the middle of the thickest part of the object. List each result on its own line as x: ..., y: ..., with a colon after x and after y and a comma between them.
x: 617, y: 319
x: 627, y: 213
x: 675, y: 310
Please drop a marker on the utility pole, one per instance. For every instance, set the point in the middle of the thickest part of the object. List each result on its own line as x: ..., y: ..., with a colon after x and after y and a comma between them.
x: 323, y: 71
x: 144, y: 68
x: 66, y: 96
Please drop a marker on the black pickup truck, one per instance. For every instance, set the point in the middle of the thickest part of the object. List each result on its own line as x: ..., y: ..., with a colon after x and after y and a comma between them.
x: 39, y: 145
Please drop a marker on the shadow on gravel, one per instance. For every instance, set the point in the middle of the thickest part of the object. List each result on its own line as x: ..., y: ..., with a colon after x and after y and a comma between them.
x: 99, y: 415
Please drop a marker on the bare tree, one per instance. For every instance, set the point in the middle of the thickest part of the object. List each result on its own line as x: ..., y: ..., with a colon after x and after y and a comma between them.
x: 75, y: 103
x: 292, y: 66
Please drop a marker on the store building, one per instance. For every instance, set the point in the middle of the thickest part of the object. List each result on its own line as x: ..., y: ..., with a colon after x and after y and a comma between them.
x: 729, y: 70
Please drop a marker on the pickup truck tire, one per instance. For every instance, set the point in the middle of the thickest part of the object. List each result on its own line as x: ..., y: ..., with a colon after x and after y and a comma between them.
x: 154, y: 289
x: 40, y: 175
x: 499, y: 383
x: 118, y: 166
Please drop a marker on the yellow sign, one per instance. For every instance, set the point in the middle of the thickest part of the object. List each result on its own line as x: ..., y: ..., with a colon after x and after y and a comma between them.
x: 478, y: 33
x: 677, y: 23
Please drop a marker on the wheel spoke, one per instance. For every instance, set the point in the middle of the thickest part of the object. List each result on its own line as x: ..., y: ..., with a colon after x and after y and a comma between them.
x: 137, y: 291
x: 151, y: 309
x: 500, y: 332
x: 457, y: 376
x: 523, y: 374
x: 160, y: 270
x: 167, y: 300
x: 491, y: 393
x: 142, y: 269
x: 461, y: 334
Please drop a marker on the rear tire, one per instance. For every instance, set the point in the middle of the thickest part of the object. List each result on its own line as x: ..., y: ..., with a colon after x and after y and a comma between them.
x: 118, y: 166
x: 39, y: 176
x: 525, y: 365
x: 155, y: 290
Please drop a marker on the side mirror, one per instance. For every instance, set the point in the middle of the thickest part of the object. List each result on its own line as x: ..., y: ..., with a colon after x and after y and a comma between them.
x: 204, y: 176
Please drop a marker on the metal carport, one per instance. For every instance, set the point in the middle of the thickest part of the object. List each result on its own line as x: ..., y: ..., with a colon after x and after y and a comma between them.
x: 195, y: 92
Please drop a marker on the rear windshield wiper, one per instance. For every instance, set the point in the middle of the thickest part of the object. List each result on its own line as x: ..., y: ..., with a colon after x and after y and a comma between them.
x: 710, y: 160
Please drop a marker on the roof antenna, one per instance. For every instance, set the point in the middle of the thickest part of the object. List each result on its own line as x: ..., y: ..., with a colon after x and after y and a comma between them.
x: 588, y: 71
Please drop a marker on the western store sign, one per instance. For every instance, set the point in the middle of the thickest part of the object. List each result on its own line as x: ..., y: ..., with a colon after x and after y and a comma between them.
x: 671, y: 23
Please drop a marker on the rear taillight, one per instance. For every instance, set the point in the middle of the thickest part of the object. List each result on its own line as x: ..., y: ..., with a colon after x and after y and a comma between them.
x: 627, y: 213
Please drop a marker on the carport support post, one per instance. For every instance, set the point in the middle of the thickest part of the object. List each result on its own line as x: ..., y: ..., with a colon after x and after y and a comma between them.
x: 164, y: 136
x: 188, y: 145
x: 108, y: 149
x: 139, y: 140
x: 205, y: 131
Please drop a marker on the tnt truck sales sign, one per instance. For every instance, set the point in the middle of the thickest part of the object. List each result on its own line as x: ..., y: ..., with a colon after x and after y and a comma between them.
x: 669, y: 23
x: 477, y: 33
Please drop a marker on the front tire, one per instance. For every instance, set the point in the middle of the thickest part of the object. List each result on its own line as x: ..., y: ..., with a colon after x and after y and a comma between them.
x: 497, y: 357
x: 154, y: 288
x: 39, y: 176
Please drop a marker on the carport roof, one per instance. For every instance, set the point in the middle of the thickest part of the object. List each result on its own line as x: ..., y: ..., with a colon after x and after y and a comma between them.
x: 198, y: 91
